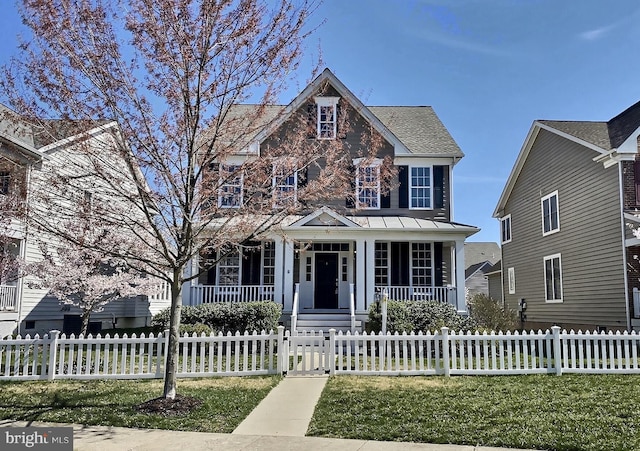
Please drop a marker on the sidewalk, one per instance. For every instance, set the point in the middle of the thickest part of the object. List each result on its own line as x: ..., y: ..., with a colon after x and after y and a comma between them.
x: 101, y: 438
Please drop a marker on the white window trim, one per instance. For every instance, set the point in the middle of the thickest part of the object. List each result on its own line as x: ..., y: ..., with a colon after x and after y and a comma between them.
x: 542, y: 200
x: 544, y: 270
x: 411, y: 267
x: 219, y: 266
x: 223, y: 184
x: 376, y: 163
x: 511, y: 273
x: 503, y: 221
x: 430, y: 207
x: 276, y: 186
x: 327, y: 102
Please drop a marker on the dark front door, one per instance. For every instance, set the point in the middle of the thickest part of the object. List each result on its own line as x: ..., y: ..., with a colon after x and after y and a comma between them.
x: 326, y: 277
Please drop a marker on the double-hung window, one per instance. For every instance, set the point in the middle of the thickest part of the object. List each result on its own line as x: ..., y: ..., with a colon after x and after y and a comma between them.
x: 285, y: 182
x: 367, y: 185
x: 229, y: 269
x: 550, y: 215
x: 505, y: 229
x: 553, y: 278
x: 420, y: 186
x: 327, y: 115
x: 230, y: 192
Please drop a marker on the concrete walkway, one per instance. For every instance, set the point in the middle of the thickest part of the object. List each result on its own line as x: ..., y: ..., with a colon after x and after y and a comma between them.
x: 287, y: 409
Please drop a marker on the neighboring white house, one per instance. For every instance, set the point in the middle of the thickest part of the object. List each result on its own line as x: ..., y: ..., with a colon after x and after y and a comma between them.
x: 26, y: 310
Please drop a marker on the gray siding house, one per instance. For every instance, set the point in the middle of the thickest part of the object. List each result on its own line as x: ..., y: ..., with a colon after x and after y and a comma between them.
x: 479, y: 258
x: 329, y: 259
x: 564, y: 219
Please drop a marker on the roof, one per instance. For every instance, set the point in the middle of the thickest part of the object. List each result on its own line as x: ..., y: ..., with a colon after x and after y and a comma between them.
x: 471, y: 270
x: 618, y: 134
x: 479, y: 252
x: 495, y: 269
x: 416, y: 128
x: 406, y: 223
x: 54, y: 130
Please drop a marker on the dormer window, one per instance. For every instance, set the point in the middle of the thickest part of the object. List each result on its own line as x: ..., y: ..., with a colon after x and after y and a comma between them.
x: 326, y: 114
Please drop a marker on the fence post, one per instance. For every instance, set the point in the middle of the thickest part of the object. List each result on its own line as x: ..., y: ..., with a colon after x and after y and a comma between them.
x: 280, y: 355
x: 445, y: 351
x: 332, y: 352
x: 556, y: 350
x: 53, y: 354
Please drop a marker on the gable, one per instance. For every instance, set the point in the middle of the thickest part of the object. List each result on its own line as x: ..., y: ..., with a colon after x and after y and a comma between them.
x: 324, y: 217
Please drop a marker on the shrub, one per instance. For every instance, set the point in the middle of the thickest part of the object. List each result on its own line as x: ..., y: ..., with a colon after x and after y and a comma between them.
x: 226, y: 317
x: 488, y: 314
x: 197, y: 328
x: 408, y: 316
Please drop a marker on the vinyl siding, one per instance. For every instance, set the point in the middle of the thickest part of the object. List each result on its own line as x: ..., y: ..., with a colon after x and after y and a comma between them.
x: 589, y: 239
x: 352, y: 140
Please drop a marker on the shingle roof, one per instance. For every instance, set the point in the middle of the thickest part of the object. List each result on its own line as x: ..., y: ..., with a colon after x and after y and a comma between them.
x: 419, y: 128
x: 480, y: 252
x: 606, y: 135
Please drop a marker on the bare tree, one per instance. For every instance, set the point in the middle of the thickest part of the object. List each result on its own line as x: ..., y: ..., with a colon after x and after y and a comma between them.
x: 171, y: 75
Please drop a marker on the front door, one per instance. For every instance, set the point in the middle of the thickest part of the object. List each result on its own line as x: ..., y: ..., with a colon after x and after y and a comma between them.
x: 325, y: 292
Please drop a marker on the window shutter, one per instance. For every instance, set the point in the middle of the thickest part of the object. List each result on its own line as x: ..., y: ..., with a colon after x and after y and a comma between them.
x: 340, y: 132
x: 385, y: 200
x: 312, y: 120
x: 403, y: 190
x: 636, y: 167
x: 437, y: 257
x: 438, y: 186
x: 350, y: 201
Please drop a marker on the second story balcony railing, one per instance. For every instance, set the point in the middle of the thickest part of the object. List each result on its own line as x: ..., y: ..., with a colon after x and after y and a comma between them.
x: 7, y: 298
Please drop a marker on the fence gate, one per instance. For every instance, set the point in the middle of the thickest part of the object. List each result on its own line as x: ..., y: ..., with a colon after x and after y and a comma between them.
x: 309, y: 353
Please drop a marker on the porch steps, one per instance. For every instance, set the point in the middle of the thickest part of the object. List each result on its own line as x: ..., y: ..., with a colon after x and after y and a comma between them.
x: 308, y: 322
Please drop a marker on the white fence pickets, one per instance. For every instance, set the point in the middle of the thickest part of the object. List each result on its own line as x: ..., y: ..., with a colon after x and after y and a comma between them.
x: 445, y: 352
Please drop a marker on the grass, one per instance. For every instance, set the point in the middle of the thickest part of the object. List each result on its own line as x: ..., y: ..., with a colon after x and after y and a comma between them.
x: 226, y: 402
x: 572, y: 412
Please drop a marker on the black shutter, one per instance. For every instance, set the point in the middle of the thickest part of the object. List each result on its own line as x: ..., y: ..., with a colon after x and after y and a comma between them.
x: 437, y: 258
x: 251, y: 266
x: 403, y: 190
x: 340, y: 132
x: 385, y: 200
x: 636, y: 167
x: 350, y: 201
x: 438, y: 186
x: 302, y: 177
x: 312, y: 120
x: 208, y: 274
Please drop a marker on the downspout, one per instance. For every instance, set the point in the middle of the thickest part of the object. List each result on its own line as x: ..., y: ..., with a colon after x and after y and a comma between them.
x: 624, y: 247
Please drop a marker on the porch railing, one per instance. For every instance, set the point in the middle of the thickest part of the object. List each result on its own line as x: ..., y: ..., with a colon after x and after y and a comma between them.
x: 403, y: 293
x: 7, y: 297
x: 205, y: 294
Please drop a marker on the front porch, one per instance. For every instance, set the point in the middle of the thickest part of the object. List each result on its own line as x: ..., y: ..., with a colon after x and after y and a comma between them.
x: 325, y: 263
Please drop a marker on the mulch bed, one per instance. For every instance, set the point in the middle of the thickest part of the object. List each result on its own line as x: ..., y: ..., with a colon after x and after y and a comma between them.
x: 181, y: 405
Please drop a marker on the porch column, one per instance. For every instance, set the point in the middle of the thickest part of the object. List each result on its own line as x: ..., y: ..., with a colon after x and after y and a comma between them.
x: 288, y: 276
x: 370, y: 271
x: 360, y: 275
x: 278, y: 270
x: 461, y: 303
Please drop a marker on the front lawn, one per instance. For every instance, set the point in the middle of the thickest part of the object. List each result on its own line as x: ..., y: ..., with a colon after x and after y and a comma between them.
x: 571, y: 412
x: 225, y: 402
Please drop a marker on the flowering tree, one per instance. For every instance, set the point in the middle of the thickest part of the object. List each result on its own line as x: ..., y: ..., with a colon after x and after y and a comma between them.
x: 170, y: 74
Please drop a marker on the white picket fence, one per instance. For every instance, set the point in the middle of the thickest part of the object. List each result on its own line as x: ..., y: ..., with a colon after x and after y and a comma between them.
x: 445, y: 352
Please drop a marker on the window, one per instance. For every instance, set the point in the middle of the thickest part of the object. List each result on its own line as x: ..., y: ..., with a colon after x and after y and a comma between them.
x: 421, y: 264
x: 229, y: 269
x: 512, y: 280
x: 327, y: 113
x: 553, y: 278
x: 381, y: 270
x: 505, y: 229
x: 550, y: 217
x: 269, y: 263
x: 285, y: 182
x: 420, y: 188
x: 368, y: 186
x: 230, y: 193
x: 5, y: 182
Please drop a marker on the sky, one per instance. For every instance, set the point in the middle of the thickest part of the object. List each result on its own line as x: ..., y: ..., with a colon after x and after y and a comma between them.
x: 489, y: 68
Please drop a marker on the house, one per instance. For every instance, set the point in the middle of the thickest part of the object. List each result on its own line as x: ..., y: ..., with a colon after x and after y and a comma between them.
x: 24, y: 156
x: 568, y: 253
x: 479, y: 258
x: 324, y: 263
x: 494, y: 282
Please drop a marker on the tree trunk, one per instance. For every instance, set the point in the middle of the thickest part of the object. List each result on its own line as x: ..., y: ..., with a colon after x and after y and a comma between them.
x: 170, y: 378
x: 85, y: 322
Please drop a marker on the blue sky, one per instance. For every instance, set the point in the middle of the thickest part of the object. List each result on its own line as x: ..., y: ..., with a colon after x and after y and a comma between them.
x: 489, y: 68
